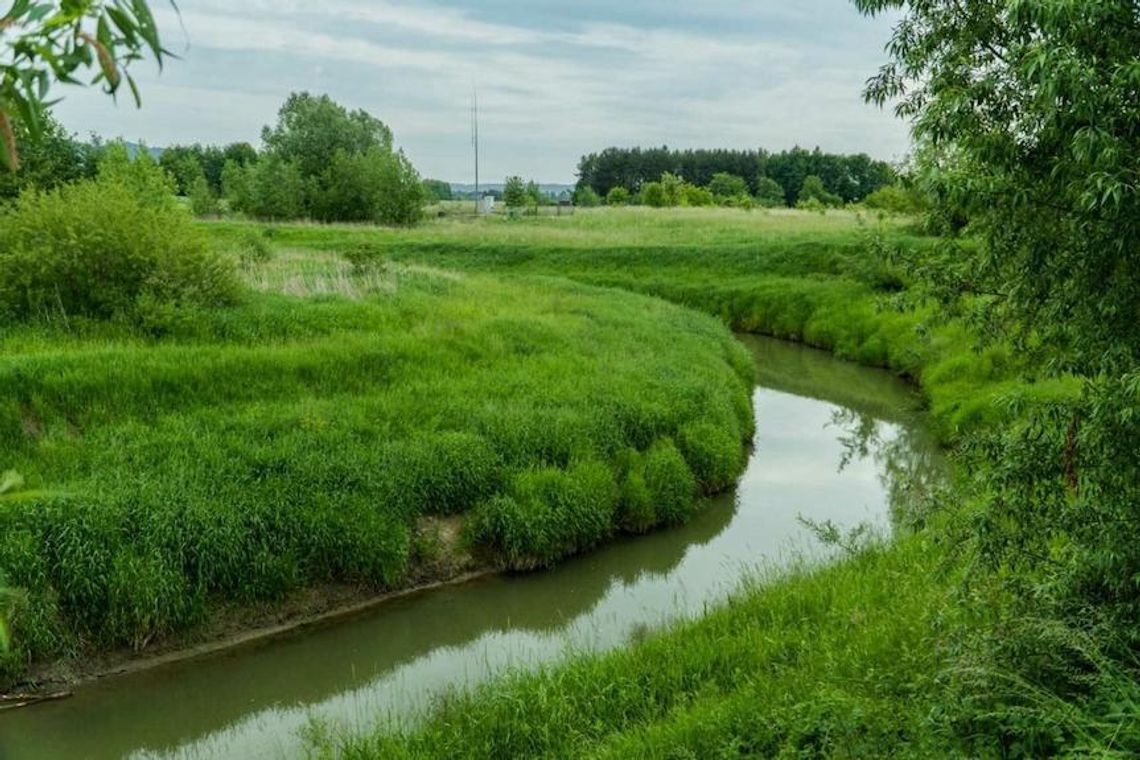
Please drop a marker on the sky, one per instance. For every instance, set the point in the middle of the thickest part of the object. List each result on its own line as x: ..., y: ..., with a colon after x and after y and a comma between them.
x: 555, y: 80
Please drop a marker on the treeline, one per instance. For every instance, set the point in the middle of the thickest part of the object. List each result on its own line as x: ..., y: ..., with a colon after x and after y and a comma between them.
x: 320, y: 161
x: 849, y: 177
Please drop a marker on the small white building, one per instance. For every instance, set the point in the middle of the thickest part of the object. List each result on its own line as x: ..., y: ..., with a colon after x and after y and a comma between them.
x: 487, y: 204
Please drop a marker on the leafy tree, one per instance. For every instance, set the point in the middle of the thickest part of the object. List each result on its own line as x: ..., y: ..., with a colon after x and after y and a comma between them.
x: 50, y: 42
x: 673, y: 186
x: 534, y: 195
x: 54, y: 158
x: 203, y: 202
x: 237, y: 187
x: 514, y: 192
x: 586, y: 197
x: 724, y: 185
x: 850, y: 177
x: 345, y: 162
x: 401, y: 201
x: 438, y: 190
x: 349, y: 188
x: 895, y: 199
x: 311, y: 129
x: 141, y: 174
x: 769, y: 192
x: 1028, y: 113
x: 814, y: 190
x: 276, y: 189
x: 617, y: 196
x: 691, y: 195
x: 183, y: 165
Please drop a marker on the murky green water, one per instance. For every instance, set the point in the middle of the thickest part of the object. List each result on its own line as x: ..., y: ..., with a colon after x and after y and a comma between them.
x: 834, y: 442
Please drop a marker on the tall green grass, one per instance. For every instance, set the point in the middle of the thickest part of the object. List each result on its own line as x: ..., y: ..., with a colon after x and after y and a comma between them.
x: 292, y: 441
x: 866, y: 658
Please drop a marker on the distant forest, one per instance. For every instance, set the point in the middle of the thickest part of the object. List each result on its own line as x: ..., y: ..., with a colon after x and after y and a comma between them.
x: 851, y: 177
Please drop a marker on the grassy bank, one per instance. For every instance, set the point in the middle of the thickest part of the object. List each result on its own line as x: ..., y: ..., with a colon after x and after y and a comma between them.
x: 803, y: 276
x: 299, y: 439
x: 859, y: 659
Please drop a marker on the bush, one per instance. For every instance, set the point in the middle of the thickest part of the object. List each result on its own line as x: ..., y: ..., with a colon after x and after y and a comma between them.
x: 812, y: 204
x: 814, y: 189
x: 401, y: 199
x: 895, y: 199
x: 724, y: 186
x: 617, y: 196
x: 586, y: 198
x: 203, y: 202
x: 365, y: 258
x: 252, y: 247
x: 653, y: 195
x: 691, y: 195
x: 514, y: 192
x: 276, y: 189
x: 770, y: 193
x: 97, y: 249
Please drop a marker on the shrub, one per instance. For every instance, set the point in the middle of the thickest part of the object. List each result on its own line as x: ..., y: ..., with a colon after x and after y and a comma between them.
x: 141, y: 175
x: 401, y: 196
x: 365, y: 258
x: 724, y: 186
x: 770, y: 193
x: 814, y: 189
x: 812, y: 204
x: 203, y: 202
x: 617, y: 196
x: 97, y: 249
x: 713, y: 454
x: 276, y: 189
x: 895, y: 199
x: 586, y: 197
x: 252, y: 247
x: 745, y: 202
x: 691, y: 195
x: 653, y: 195
x: 514, y: 192
x: 237, y: 186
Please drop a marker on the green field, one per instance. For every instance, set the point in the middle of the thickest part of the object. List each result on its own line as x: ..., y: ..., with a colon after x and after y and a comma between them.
x: 540, y: 378
x: 866, y: 658
x: 299, y: 440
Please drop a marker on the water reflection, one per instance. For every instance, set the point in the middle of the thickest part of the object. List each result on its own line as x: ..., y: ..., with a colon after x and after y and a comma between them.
x: 834, y: 442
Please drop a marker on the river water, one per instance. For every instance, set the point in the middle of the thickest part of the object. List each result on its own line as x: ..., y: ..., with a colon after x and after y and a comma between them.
x: 834, y: 442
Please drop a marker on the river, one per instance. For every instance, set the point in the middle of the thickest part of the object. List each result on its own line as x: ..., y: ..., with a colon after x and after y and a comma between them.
x: 834, y: 442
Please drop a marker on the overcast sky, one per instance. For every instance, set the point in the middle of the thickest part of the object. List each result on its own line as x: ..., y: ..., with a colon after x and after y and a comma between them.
x: 555, y: 79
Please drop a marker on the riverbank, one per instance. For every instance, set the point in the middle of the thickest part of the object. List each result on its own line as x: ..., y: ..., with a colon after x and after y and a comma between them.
x: 294, y: 442
x: 835, y: 440
x: 884, y: 666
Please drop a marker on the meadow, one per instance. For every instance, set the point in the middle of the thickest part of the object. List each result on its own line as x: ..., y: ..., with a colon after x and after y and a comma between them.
x: 876, y: 655
x: 298, y: 440
x: 555, y: 381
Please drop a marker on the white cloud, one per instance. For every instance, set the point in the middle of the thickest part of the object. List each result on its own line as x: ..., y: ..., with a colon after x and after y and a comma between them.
x: 727, y: 74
